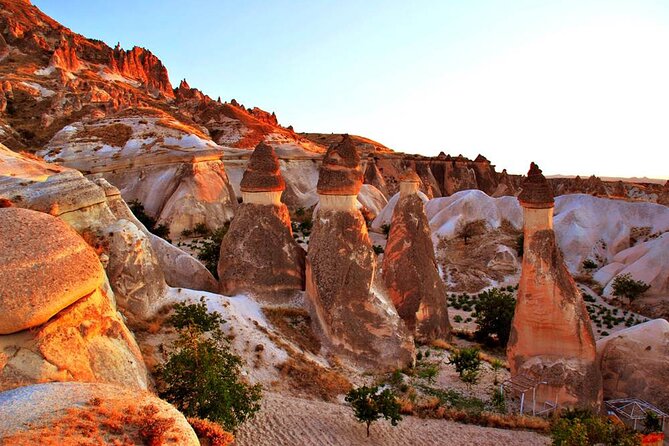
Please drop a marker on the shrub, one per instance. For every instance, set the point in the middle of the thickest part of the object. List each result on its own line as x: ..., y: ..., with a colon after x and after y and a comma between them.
x: 579, y: 427
x: 494, y: 314
x: 472, y: 229
x: 385, y: 228
x: 370, y: 405
x: 137, y: 208
x: 520, y: 245
x: 457, y: 318
x: 202, y: 376
x: 652, y: 423
x: 467, y: 362
x: 378, y: 249
x: 208, y: 250
x: 625, y: 286
x: 589, y: 264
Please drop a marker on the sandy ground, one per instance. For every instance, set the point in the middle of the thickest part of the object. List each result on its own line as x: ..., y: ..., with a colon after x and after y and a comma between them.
x: 286, y: 420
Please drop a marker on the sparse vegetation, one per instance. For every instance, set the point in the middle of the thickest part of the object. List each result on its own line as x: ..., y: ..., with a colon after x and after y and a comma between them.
x: 378, y: 249
x: 137, y: 209
x: 589, y: 264
x: 625, y: 286
x: 208, y: 247
x: 494, y: 314
x: 369, y: 404
x: 582, y: 428
x: 210, y: 432
x: 467, y: 362
x: 202, y: 376
x: 471, y: 229
x: 385, y: 228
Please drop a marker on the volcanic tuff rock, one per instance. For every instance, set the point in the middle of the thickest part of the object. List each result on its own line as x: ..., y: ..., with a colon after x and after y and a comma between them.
x: 82, y: 413
x: 58, y: 289
x: 551, y: 336
x: 258, y: 253
x: 410, y: 270
x: 340, y: 172
x: 373, y: 177
x: 348, y: 306
x: 634, y: 363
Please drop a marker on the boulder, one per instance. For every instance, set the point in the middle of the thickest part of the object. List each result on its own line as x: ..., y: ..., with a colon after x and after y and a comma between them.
x: 634, y: 363
x: 58, y: 289
x: 90, y: 413
x: 45, y: 266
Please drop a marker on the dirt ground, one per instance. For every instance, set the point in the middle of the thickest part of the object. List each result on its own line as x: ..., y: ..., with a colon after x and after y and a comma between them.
x: 286, y: 420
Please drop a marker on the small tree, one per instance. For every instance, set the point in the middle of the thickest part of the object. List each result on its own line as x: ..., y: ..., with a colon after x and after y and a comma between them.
x: 625, y: 286
x: 496, y: 365
x: 494, y: 315
x: 589, y: 264
x: 467, y: 362
x: 370, y: 405
x: 471, y: 229
x: 202, y: 376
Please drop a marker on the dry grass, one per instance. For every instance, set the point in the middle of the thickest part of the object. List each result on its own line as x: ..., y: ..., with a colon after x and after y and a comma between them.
x: 210, y: 433
x: 307, y: 376
x: 115, y: 135
x: 295, y: 325
x: 103, y: 422
x: 442, y: 344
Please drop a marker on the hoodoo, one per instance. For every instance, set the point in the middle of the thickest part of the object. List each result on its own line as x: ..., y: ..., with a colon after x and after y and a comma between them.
x: 410, y: 269
x: 349, y: 308
x: 551, y: 336
x: 258, y: 253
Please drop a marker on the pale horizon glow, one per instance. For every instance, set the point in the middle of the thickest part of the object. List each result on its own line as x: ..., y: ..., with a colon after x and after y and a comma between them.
x: 580, y: 87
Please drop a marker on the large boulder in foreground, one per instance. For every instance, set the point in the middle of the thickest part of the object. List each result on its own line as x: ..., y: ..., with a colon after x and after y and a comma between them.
x: 634, y: 363
x: 89, y: 413
x: 59, y: 316
x: 410, y: 269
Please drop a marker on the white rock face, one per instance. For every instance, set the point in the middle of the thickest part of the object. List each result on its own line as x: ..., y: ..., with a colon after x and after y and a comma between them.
x: 174, y: 170
x: 634, y: 363
x: 372, y: 199
x: 586, y: 227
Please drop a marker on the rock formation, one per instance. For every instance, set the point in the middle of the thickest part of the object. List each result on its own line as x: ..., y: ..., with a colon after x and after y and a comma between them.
x: 551, y: 337
x: 349, y: 308
x: 258, y: 253
x: 59, y: 319
x: 374, y: 177
x: 89, y: 413
x: 634, y: 363
x: 410, y: 269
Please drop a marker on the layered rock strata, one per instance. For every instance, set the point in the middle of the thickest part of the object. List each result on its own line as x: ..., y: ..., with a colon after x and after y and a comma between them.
x: 349, y: 307
x: 551, y: 337
x: 410, y: 269
x: 258, y: 254
x: 59, y: 318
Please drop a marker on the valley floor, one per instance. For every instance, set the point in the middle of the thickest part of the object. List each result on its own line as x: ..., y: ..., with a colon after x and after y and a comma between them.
x: 286, y: 420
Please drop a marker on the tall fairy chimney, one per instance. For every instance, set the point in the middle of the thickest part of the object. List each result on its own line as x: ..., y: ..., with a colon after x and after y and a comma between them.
x: 551, y: 335
x: 348, y: 307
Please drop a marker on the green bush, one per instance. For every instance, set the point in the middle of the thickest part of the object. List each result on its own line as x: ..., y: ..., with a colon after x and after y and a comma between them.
x: 494, y: 314
x: 589, y: 264
x: 208, y: 249
x: 137, y: 208
x: 582, y: 428
x: 378, y: 249
x: 202, y: 376
x: 467, y: 362
x: 370, y: 405
x: 385, y: 228
x: 625, y: 286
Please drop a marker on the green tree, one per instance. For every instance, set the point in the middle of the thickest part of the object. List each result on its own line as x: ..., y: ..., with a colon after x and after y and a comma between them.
x: 137, y: 208
x: 202, y: 376
x: 494, y: 313
x: 370, y: 405
x: 467, y: 362
x: 625, y: 286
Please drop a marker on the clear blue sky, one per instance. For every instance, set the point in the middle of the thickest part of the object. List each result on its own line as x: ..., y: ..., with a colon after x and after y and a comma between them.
x: 578, y: 86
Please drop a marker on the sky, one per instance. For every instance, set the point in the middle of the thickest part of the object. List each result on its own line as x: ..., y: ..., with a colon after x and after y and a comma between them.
x: 580, y: 87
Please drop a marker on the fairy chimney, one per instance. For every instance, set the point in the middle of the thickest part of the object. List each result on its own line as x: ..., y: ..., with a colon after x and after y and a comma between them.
x: 410, y: 269
x: 258, y: 253
x: 551, y: 335
x: 348, y: 304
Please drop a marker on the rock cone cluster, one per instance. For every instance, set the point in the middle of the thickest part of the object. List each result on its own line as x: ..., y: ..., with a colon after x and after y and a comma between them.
x: 258, y: 254
x: 349, y: 307
x: 410, y: 269
x: 551, y: 337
